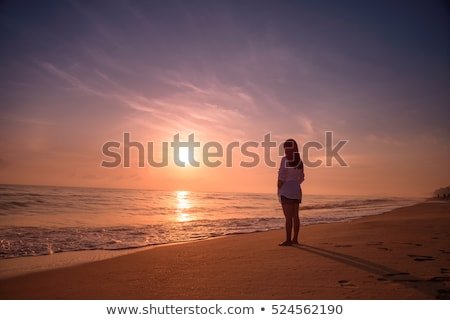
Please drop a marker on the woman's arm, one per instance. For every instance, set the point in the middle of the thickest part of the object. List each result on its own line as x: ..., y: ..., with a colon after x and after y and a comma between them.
x: 280, y: 184
x: 281, y: 175
x: 282, y: 171
x: 301, y: 177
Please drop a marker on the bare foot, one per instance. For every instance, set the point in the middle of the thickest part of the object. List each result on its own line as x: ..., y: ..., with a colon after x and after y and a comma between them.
x: 286, y: 243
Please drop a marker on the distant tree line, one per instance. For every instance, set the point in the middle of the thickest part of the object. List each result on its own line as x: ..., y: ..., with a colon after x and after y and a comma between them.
x: 442, y: 193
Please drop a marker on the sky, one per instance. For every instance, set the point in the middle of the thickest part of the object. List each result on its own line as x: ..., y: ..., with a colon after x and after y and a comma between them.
x: 77, y: 74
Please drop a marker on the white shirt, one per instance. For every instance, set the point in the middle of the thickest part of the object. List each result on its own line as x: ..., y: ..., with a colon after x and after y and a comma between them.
x: 292, y: 179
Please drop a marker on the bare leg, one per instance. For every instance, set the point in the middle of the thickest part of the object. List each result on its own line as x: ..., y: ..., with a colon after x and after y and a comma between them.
x: 287, y: 210
x: 296, y: 222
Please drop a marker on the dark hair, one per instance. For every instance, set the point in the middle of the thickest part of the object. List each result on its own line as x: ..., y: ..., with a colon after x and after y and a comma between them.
x: 296, y: 162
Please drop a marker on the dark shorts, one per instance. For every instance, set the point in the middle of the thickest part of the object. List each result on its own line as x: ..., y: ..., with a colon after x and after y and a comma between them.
x: 288, y: 200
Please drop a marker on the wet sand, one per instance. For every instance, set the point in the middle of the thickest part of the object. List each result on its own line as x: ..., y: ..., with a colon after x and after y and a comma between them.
x: 402, y: 254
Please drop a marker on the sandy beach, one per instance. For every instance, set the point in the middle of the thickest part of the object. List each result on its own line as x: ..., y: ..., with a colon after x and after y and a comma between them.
x: 402, y: 254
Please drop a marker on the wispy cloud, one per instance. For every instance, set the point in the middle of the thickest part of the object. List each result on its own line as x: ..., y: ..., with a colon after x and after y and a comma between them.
x: 189, y: 106
x: 74, y: 81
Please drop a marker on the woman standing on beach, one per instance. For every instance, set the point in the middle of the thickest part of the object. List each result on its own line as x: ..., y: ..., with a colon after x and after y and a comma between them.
x: 290, y: 176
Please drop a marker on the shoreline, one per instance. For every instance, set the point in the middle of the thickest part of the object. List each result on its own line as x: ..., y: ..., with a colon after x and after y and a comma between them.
x: 400, y: 254
x: 18, y: 266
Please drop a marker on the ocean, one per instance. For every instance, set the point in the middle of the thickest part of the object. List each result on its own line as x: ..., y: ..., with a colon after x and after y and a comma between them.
x: 43, y: 220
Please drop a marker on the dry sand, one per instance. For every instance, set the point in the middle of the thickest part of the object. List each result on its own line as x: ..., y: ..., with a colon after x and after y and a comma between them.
x: 403, y: 254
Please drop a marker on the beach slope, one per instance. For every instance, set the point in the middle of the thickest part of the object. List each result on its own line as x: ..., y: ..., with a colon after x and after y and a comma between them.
x: 403, y: 254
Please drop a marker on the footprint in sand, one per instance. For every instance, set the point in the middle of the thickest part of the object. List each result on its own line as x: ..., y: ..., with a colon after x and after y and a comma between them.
x: 445, y: 270
x: 383, y: 248
x: 375, y: 243
x: 345, y: 283
x: 421, y: 258
x: 343, y: 246
x: 445, y: 251
x: 399, y: 277
x: 439, y: 279
x: 412, y: 244
x: 396, y: 274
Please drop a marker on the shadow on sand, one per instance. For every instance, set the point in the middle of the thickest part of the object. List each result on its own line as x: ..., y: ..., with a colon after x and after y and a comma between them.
x: 434, y: 287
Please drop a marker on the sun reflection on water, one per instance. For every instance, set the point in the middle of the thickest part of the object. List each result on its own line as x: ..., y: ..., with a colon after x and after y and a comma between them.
x: 183, y: 205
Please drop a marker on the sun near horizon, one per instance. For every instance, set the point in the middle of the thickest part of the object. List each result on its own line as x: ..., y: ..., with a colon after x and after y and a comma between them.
x: 226, y: 73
